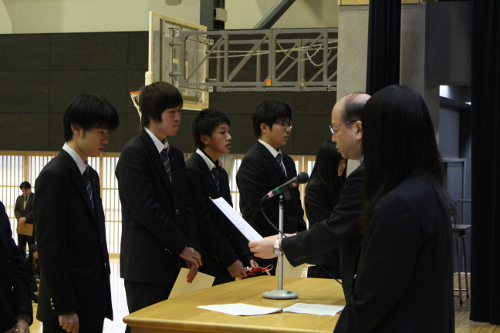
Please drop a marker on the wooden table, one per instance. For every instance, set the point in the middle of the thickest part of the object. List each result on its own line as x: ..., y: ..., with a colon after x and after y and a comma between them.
x: 180, y: 314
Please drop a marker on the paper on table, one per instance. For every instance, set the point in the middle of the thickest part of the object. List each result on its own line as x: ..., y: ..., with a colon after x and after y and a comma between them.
x: 240, y: 309
x: 315, y: 309
x: 242, y: 225
x: 181, y: 287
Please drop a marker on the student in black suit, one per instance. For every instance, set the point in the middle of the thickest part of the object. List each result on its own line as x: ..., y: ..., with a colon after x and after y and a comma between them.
x: 342, y: 230
x: 224, y: 249
x: 321, y: 196
x: 16, y: 313
x: 23, y: 211
x: 266, y: 167
x: 75, y: 293
x: 159, y: 228
x: 404, y: 277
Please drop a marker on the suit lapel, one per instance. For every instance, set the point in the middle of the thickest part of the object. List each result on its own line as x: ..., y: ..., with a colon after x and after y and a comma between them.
x: 157, y: 161
x: 208, y: 175
x: 78, y: 181
x: 271, y: 160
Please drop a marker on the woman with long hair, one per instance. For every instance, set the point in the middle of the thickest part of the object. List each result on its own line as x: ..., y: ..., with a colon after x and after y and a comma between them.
x: 321, y: 196
x: 33, y: 269
x: 404, y: 279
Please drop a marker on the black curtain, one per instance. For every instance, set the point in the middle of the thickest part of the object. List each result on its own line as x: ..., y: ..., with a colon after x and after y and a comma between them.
x: 485, y: 86
x: 384, y: 41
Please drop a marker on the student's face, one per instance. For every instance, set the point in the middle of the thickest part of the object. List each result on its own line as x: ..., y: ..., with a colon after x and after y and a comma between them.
x: 35, y: 255
x: 220, y: 140
x: 170, y: 123
x: 26, y: 191
x: 278, y: 135
x: 90, y: 143
x: 342, y: 165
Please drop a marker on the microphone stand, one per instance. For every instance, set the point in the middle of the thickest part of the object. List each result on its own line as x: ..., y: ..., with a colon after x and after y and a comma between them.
x: 280, y: 293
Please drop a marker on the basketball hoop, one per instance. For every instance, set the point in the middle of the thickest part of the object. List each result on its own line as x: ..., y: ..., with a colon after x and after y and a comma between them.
x: 134, y: 95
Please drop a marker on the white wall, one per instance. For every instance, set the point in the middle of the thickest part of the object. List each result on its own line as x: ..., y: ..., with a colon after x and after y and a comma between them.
x: 54, y: 16
x: 245, y: 14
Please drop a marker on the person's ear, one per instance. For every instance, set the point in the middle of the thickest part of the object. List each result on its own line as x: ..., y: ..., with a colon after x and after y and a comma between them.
x: 75, y: 129
x: 263, y: 127
x: 204, y: 138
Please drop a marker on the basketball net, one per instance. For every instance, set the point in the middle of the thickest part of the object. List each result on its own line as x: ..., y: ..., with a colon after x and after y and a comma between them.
x: 135, y: 99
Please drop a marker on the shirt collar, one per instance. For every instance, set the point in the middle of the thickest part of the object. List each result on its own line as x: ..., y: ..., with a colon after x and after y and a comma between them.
x: 159, y: 145
x: 271, y: 149
x: 74, y: 155
x: 208, y: 160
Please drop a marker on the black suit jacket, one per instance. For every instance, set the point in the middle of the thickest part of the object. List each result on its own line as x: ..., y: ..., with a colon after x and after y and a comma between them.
x: 15, y: 292
x: 158, y: 218
x: 404, y: 279
x: 27, y: 212
x: 221, y: 242
x: 342, y: 230
x: 258, y: 174
x: 71, y: 244
x: 320, y: 202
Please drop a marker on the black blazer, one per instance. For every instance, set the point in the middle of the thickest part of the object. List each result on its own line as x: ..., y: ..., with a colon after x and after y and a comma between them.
x: 320, y: 202
x: 221, y: 242
x: 71, y: 243
x: 258, y: 174
x: 342, y: 230
x: 158, y: 218
x: 15, y: 293
x: 404, y: 279
x: 21, y: 211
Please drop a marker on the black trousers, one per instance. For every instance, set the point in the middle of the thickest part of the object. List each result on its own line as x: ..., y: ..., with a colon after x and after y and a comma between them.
x: 54, y: 327
x: 141, y: 295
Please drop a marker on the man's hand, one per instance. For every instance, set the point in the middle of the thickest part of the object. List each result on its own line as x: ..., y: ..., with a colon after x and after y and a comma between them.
x: 193, y: 261
x: 237, y: 270
x: 263, y: 248
x: 22, y: 220
x: 22, y: 325
x: 69, y: 322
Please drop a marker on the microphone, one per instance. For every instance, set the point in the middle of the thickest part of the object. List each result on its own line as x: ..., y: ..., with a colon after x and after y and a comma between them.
x: 302, y: 177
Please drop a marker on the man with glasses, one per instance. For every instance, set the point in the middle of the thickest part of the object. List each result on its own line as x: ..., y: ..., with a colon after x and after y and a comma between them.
x: 266, y: 167
x: 343, y: 228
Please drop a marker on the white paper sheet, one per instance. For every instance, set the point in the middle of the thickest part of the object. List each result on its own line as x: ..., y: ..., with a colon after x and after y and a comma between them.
x: 242, y: 225
x: 240, y: 309
x: 315, y: 309
x: 181, y: 286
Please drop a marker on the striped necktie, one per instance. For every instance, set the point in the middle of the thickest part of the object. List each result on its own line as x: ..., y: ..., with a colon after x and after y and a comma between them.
x: 166, y: 163
x: 279, y: 158
x: 216, y: 175
x: 88, y: 185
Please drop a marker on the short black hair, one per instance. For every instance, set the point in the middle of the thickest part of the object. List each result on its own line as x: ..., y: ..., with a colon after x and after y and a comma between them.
x: 205, y: 123
x: 24, y: 185
x: 353, y: 109
x: 156, y: 98
x: 268, y: 112
x: 89, y: 111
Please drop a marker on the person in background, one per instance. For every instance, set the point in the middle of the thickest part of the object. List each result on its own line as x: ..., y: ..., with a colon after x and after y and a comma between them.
x: 75, y: 293
x: 23, y: 211
x: 16, y: 312
x: 224, y: 249
x: 159, y: 228
x: 321, y: 196
x: 33, y: 269
x: 404, y: 279
x: 265, y: 167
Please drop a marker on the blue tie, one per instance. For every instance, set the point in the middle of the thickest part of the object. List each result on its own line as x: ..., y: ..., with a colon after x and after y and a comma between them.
x: 166, y: 163
x: 280, y: 162
x: 88, y: 186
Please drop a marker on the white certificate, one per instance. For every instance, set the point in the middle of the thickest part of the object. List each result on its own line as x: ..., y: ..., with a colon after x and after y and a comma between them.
x: 242, y: 225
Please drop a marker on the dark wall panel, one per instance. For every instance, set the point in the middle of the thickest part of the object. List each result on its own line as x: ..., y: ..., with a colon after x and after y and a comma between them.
x: 24, y: 92
x: 29, y: 132
x: 25, y: 52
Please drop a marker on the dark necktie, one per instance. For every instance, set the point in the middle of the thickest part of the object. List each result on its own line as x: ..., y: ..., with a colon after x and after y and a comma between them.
x: 216, y: 175
x: 280, y: 162
x: 25, y: 201
x: 166, y: 163
x: 88, y: 186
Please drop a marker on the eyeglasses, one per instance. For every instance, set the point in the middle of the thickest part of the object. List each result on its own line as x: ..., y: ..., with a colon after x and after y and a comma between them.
x: 284, y: 124
x: 333, y: 128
